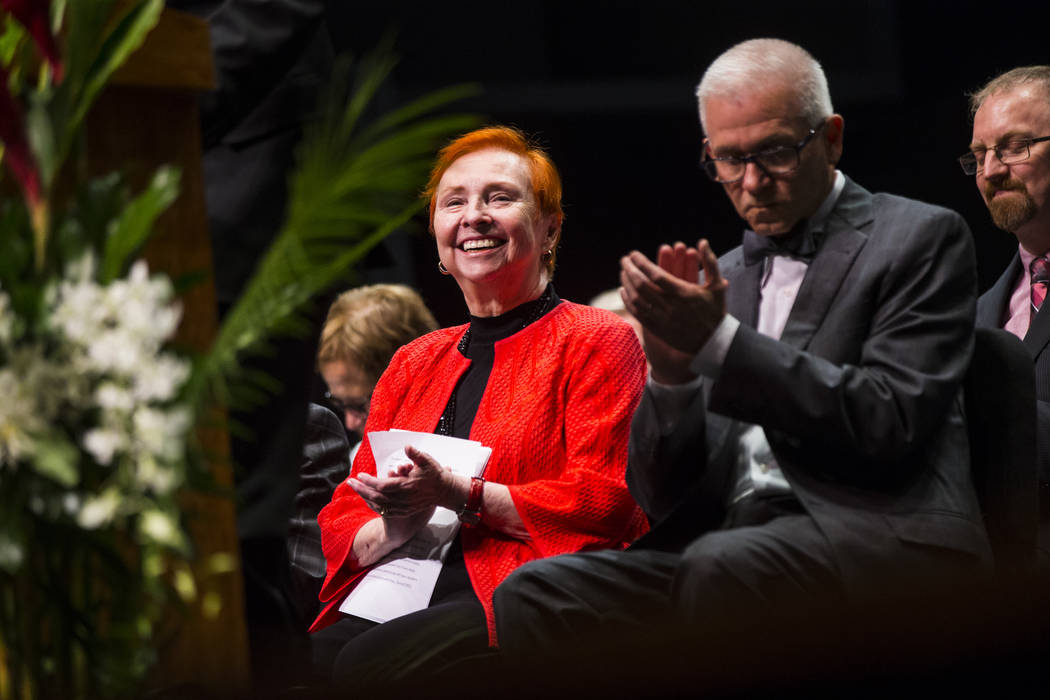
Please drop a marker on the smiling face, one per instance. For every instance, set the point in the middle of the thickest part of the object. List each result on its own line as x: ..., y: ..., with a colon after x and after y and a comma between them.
x: 490, y: 233
x: 751, y: 122
x: 1017, y: 195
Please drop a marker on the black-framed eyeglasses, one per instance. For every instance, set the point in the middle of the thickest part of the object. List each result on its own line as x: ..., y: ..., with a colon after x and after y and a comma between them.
x: 1008, y: 153
x: 358, y: 407
x: 780, y: 160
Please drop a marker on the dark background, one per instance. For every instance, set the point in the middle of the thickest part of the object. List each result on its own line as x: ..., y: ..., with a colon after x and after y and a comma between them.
x: 607, y: 87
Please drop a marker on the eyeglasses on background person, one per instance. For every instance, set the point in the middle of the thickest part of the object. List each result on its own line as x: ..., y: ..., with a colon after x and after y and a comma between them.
x: 358, y: 407
x: 1008, y: 153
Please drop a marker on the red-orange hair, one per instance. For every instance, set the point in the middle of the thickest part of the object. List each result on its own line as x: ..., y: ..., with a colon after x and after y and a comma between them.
x: 546, y: 183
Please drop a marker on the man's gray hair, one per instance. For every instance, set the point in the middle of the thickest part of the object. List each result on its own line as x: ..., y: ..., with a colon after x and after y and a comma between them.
x: 1011, y: 79
x: 759, y: 63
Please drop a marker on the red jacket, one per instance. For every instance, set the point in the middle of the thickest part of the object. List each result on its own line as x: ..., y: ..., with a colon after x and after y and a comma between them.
x: 556, y: 412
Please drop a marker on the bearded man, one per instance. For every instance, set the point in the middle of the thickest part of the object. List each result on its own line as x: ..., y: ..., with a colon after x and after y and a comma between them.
x: 1010, y: 157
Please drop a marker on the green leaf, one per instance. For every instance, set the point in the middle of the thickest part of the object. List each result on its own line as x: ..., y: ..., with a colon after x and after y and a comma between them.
x: 85, y: 31
x: 126, y: 37
x: 427, y: 103
x: 130, y: 230
x: 86, y: 223
x: 97, y: 44
x: 71, y: 239
x: 56, y: 458
x: 41, y: 136
x: 58, y: 11
x: 10, y: 39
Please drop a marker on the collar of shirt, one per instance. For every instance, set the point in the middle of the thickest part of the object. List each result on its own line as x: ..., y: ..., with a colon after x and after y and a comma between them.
x: 1026, y: 263
x: 782, y: 276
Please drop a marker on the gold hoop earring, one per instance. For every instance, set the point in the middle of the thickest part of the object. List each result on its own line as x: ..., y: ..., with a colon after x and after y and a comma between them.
x: 442, y: 269
x: 548, y: 254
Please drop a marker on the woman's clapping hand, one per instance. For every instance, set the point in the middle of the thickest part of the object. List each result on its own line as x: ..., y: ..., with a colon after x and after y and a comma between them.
x: 408, y: 489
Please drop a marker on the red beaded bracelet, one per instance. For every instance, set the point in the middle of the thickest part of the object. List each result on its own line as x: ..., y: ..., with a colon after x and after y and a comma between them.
x: 470, y: 513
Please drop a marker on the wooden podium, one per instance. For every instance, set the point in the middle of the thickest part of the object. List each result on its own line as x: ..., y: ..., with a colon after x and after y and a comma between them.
x: 147, y: 117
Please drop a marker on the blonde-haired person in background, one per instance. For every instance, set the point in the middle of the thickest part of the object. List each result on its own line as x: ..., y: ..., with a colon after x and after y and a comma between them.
x: 364, y: 328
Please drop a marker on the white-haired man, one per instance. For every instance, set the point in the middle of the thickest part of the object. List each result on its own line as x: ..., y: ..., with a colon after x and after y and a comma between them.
x: 800, y: 440
x: 1010, y: 156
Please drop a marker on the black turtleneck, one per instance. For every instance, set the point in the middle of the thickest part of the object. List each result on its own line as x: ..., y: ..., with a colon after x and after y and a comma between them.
x: 479, y: 345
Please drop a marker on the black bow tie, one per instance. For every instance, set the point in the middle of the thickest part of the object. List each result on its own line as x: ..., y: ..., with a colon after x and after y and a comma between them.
x: 799, y: 243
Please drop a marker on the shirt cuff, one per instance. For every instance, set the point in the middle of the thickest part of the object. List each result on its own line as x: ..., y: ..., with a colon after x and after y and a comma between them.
x: 708, y: 362
x: 671, y: 400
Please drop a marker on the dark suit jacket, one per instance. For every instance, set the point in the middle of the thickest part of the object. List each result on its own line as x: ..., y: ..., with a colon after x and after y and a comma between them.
x: 992, y: 308
x: 325, y: 463
x: 859, y: 399
x: 271, y: 59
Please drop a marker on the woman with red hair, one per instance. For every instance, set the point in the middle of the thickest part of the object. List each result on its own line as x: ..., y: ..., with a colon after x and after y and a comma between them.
x: 550, y: 386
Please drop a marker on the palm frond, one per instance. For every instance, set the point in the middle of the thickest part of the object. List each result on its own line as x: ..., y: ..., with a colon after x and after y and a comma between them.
x: 353, y: 185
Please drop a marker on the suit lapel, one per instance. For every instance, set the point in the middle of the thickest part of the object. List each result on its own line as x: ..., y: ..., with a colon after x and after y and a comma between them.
x: 843, y: 241
x: 742, y: 298
x: 993, y: 304
x: 1038, y: 334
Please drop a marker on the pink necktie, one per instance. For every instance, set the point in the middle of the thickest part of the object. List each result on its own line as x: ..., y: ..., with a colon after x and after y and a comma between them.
x: 1040, y: 269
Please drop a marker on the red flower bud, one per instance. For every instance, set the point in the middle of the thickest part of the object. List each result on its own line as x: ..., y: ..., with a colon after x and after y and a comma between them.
x: 35, y: 16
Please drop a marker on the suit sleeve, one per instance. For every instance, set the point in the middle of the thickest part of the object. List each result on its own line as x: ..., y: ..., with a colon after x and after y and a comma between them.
x: 587, y: 505
x: 1043, y: 438
x: 324, y: 465
x: 662, y: 468
x: 875, y: 410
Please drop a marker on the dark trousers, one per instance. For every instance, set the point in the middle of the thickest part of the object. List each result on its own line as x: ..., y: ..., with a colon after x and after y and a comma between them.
x: 360, y: 654
x: 771, y: 552
x: 743, y: 607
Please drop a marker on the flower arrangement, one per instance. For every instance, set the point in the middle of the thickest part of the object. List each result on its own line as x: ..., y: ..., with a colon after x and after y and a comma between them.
x: 92, y: 452
x: 95, y: 378
x: 98, y: 411
x: 94, y: 428
x: 100, y: 357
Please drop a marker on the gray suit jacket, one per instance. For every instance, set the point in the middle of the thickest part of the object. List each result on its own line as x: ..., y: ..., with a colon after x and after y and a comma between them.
x: 991, y: 311
x: 859, y: 399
